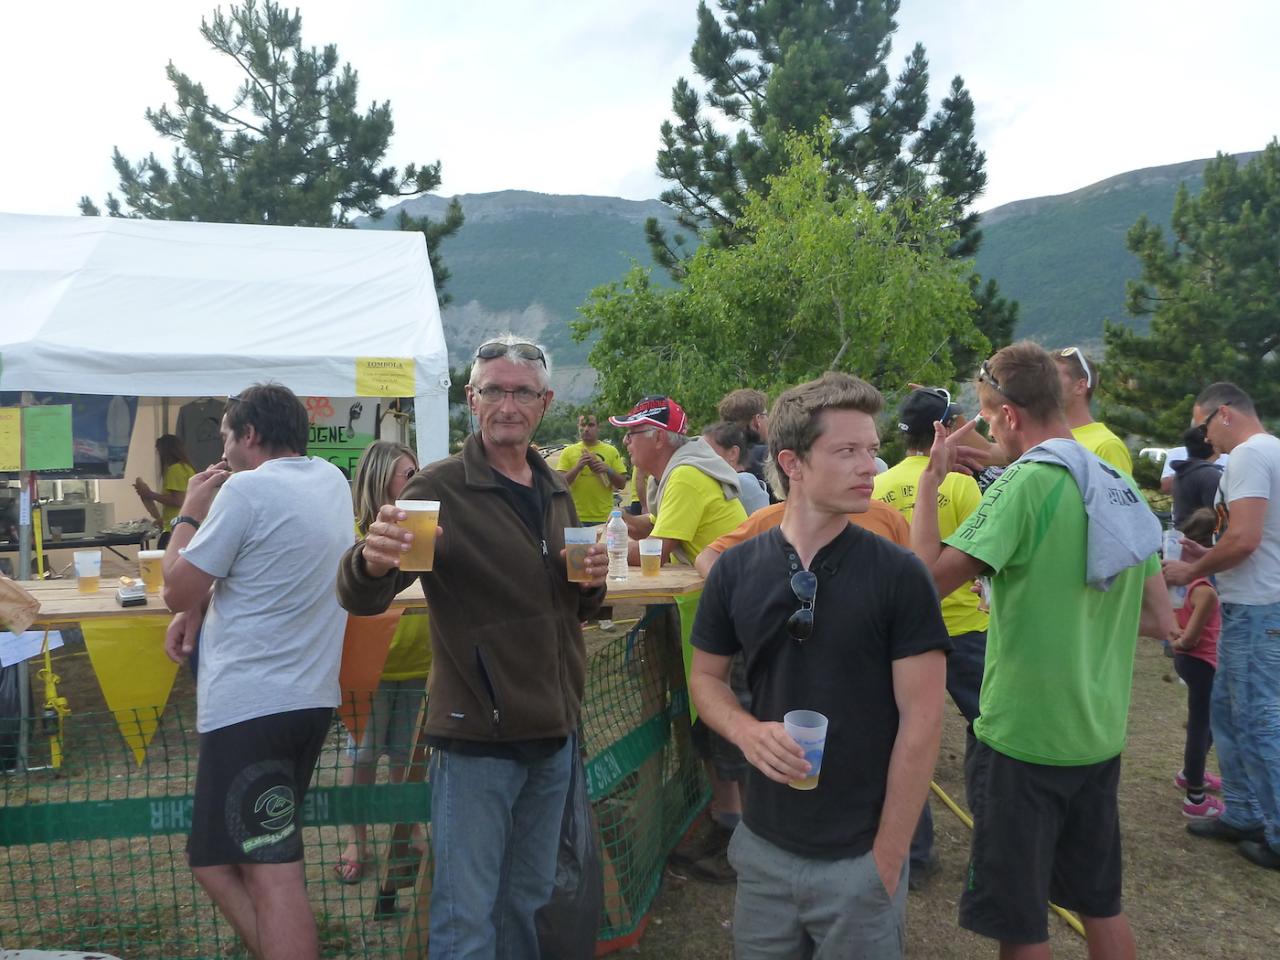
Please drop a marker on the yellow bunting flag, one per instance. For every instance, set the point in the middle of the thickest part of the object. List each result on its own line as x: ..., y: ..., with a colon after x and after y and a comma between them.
x: 364, y: 652
x: 384, y: 377
x: 134, y: 674
x: 10, y: 439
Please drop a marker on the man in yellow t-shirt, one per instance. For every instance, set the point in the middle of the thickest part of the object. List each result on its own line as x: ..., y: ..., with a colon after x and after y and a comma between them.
x: 593, y: 469
x: 1079, y: 379
x: 958, y: 496
x: 695, y: 503
x: 697, y: 495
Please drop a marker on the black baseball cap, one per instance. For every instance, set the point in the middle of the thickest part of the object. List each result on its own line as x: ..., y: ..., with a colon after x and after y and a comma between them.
x: 922, y: 408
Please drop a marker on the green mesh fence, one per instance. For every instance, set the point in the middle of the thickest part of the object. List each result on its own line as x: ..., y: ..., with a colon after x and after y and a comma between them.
x: 92, y: 855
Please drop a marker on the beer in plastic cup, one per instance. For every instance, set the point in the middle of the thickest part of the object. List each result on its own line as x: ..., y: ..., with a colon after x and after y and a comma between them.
x: 650, y: 556
x: 423, y: 515
x: 88, y: 564
x: 577, y: 542
x: 809, y: 729
x: 149, y: 565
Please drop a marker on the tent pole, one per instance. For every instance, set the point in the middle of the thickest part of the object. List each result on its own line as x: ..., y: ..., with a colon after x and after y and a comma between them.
x: 26, y: 500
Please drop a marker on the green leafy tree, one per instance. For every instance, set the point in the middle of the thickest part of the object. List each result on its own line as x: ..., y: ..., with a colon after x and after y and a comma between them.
x: 293, y: 148
x: 775, y: 67
x: 1213, y: 296
x: 824, y: 278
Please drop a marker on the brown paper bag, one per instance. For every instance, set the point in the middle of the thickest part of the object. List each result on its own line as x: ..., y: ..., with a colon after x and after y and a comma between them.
x: 18, y: 608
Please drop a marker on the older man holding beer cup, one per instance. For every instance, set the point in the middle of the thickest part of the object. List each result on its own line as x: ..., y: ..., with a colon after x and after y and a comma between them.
x: 507, y: 679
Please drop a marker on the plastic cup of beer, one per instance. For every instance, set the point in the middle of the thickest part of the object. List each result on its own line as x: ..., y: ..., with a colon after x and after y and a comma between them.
x: 423, y: 515
x: 88, y: 564
x: 809, y: 729
x: 577, y: 543
x: 149, y: 566
x: 650, y: 556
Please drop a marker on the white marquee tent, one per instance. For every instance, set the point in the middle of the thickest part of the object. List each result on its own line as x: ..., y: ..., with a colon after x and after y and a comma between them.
x: 103, y: 305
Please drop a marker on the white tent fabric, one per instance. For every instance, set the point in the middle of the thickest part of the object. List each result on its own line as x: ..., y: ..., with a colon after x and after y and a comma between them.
x: 106, y: 305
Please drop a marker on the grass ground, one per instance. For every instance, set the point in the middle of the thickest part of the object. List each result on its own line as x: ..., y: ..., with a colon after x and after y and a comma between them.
x: 1185, y: 897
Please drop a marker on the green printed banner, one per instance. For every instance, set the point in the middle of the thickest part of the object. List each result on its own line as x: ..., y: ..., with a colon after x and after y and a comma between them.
x: 46, y: 437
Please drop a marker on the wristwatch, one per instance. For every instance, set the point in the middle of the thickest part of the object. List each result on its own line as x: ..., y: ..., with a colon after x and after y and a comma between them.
x: 173, y: 524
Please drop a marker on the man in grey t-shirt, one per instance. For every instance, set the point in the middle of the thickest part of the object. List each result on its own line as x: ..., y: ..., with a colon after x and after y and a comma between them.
x: 1245, y: 708
x: 257, y: 566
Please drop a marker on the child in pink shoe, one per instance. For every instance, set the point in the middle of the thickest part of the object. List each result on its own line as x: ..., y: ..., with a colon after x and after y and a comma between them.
x: 1196, y: 660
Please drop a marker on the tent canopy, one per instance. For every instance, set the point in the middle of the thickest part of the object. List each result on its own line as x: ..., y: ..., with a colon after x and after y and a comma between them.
x: 106, y: 305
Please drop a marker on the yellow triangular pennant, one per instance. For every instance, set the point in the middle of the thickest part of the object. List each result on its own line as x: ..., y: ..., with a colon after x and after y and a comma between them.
x: 134, y: 674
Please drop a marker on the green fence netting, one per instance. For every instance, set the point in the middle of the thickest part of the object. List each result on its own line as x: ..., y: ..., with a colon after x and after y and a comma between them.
x: 92, y: 855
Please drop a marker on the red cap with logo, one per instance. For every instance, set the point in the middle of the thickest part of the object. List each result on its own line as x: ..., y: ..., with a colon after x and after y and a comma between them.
x: 660, y: 412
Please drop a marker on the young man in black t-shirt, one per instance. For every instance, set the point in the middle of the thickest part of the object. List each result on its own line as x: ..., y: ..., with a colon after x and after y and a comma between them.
x: 833, y: 619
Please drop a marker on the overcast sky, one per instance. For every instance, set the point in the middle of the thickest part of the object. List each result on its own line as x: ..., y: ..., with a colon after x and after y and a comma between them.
x: 566, y: 96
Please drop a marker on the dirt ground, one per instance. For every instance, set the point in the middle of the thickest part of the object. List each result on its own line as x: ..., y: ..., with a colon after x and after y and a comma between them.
x: 1185, y: 897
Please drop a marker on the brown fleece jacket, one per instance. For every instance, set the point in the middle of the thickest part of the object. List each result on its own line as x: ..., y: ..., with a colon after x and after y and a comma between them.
x: 508, y: 660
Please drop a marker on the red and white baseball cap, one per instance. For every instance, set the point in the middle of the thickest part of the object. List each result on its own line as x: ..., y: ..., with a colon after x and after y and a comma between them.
x: 660, y: 412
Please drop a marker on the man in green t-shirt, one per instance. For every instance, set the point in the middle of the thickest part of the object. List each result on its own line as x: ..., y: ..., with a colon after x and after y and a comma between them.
x: 593, y: 470
x: 1044, y: 769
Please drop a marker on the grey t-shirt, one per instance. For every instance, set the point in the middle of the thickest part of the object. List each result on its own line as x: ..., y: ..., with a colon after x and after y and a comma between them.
x: 272, y: 640
x: 1254, y: 471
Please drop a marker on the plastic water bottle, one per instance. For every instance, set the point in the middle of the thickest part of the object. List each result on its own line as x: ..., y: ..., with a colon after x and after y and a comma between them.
x: 1173, y: 551
x: 615, y: 539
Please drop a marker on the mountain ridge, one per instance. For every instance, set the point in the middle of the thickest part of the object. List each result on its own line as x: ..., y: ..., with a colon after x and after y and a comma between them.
x: 525, y: 261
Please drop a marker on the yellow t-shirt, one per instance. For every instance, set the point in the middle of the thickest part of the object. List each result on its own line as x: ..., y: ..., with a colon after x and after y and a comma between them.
x: 409, y: 657
x: 174, y: 480
x: 1105, y: 445
x: 592, y: 495
x: 958, y: 496
x: 694, y: 510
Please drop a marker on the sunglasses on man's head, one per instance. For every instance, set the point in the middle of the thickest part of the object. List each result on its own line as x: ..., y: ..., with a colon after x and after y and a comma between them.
x: 525, y: 351
x: 986, y: 376
x: 1068, y: 353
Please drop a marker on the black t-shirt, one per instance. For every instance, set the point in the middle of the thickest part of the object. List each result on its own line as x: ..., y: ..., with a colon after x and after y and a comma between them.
x: 875, y: 604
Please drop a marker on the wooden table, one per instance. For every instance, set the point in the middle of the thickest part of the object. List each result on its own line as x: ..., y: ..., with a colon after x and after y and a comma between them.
x: 61, y: 601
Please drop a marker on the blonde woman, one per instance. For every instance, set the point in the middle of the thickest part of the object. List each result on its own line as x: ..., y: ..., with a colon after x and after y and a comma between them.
x: 381, y: 475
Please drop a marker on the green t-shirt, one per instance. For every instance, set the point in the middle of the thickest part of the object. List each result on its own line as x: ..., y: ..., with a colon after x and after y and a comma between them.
x: 694, y: 510
x: 958, y: 496
x: 174, y: 480
x: 592, y: 494
x: 1059, y: 664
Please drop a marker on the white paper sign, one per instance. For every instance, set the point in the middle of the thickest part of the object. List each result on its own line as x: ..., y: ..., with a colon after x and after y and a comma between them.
x: 16, y: 647
x: 24, y: 508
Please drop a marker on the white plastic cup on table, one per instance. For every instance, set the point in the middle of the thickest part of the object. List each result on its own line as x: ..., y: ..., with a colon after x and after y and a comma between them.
x: 423, y: 515
x: 809, y: 729
x: 577, y: 542
x: 151, y: 570
x: 88, y: 564
x: 650, y: 556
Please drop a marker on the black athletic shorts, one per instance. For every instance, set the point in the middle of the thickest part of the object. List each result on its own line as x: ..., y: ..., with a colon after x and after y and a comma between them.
x: 251, y: 779
x: 1040, y: 833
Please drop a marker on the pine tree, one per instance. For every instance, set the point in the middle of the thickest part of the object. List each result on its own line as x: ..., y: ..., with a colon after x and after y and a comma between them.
x: 1213, y: 296
x: 293, y: 148
x: 776, y: 67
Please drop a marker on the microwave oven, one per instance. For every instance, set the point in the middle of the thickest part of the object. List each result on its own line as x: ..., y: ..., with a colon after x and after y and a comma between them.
x: 77, y: 520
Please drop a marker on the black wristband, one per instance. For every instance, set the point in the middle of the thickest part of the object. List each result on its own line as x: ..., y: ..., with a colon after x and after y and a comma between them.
x: 173, y: 524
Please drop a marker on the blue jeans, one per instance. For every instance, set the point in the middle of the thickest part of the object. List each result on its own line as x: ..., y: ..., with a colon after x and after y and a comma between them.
x: 1245, y: 715
x: 965, y: 663
x: 495, y: 827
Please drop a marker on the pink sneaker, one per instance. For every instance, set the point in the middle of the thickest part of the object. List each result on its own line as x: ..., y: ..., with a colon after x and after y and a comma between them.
x: 1212, y: 782
x: 1211, y: 809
